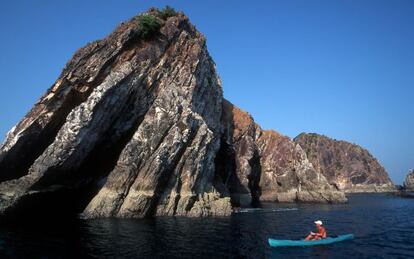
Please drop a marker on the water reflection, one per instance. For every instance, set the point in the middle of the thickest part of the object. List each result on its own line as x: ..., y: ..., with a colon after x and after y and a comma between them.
x: 383, y: 227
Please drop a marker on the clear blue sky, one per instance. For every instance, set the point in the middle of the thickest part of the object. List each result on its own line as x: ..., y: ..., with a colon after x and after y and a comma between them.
x: 342, y: 68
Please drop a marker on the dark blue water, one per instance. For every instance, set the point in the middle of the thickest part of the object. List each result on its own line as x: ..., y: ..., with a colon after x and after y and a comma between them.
x: 383, y: 227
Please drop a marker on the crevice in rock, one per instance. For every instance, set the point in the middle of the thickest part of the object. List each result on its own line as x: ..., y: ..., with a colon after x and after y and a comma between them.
x: 36, y: 139
x: 21, y: 156
x: 254, y: 177
x: 225, y: 164
x: 59, y: 174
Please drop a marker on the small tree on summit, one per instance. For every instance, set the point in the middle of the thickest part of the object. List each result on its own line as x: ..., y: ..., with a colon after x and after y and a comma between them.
x: 167, y: 12
x: 147, y: 25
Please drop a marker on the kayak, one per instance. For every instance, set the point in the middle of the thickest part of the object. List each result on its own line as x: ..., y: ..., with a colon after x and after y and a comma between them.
x: 326, y: 241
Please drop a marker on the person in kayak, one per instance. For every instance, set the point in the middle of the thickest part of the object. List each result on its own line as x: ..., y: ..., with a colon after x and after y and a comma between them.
x: 321, y: 234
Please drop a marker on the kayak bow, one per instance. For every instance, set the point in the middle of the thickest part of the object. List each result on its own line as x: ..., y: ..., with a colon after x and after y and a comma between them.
x: 326, y: 241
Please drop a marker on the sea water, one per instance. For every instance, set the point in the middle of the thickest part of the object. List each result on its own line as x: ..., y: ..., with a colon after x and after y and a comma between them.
x: 383, y: 226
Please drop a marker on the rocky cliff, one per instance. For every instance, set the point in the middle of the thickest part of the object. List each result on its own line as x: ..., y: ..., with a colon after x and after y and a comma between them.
x: 133, y: 115
x: 133, y: 127
x: 264, y: 165
x: 347, y: 166
x: 409, y: 181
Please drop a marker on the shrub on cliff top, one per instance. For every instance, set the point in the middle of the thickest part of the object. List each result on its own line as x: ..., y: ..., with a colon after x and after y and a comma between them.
x: 147, y: 25
x: 168, y: 11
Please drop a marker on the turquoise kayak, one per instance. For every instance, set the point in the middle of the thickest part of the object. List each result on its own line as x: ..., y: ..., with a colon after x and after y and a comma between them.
x: 326, y: 241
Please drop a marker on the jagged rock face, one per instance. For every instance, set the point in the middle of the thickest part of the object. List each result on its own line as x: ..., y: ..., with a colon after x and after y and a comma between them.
x: 268, y: 166
x: 136, y: 119
x: 136, y: 127
x: 409, y: 181
x: 347, y: 166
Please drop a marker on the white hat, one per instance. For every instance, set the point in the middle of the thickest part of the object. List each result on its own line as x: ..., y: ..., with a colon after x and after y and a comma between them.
x: 318, y: 222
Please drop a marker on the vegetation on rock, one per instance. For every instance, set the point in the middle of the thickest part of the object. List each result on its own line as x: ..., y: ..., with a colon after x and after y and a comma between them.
x: 147, y: 25
x: 167, y: 12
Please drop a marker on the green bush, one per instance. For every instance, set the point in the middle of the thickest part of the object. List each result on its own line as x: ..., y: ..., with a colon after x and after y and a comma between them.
x: 168, y: 11
x: 147, y: 25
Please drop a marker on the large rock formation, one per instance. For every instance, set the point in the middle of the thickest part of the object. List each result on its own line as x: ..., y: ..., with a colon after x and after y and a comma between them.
x: 264, y: 165
x: 347, y: 166
x: 409, y: 181
x: 133, y: 127
x: 135, y: 117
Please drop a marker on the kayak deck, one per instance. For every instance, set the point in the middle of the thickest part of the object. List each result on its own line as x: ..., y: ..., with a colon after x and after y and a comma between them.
x: 326, y: 241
